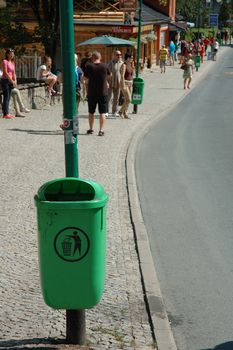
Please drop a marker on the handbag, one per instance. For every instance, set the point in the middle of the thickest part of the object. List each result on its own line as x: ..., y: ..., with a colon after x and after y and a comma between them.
x: 183, y: 66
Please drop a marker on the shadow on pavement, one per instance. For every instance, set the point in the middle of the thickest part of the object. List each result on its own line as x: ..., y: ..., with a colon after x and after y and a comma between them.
x: 224, y: 346
x: 21, y: 344
x: 39, y: 132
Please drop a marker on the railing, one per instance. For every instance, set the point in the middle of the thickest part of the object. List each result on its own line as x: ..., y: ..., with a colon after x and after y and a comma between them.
x: 26, y: 66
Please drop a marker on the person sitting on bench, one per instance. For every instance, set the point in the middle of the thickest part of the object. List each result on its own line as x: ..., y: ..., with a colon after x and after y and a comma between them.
x: 45, y: 75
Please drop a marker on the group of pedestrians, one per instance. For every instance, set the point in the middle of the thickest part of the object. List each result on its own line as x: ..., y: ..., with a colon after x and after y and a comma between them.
x: 103, y: 85
x: 184, y: 52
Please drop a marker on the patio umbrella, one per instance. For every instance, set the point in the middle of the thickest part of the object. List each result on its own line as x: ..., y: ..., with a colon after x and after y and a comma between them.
x: 108, y: 41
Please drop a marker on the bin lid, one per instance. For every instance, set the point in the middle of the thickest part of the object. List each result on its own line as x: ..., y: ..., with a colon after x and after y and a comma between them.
x: 138, y: 80
x: 73, y: 192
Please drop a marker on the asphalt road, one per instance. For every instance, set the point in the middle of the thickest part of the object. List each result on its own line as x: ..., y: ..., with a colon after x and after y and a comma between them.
x: 184, y: 169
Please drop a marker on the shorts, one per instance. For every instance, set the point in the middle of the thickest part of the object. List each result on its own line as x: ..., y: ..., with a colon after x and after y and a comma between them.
x: 102, y: 102
x: 162, y: 63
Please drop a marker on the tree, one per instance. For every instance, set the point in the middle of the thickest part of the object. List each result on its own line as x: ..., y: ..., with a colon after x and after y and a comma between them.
x: 12, y: 31
x: 224, y: 13
x: 45, y: 15
x: 47, y: 31
x: 192, y: 10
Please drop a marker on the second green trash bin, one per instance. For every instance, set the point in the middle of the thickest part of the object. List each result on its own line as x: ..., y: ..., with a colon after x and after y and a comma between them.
x: 71, y: 234
x: 138, y: 91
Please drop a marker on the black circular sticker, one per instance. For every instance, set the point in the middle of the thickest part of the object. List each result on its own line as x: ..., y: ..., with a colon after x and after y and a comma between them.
x: 71, y: 244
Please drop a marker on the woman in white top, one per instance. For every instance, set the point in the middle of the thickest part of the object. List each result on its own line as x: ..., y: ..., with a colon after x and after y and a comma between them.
x: 45, y: 75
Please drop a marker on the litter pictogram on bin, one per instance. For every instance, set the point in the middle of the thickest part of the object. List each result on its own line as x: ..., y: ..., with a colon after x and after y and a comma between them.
x: 67, y: 246
x: 71, y: 244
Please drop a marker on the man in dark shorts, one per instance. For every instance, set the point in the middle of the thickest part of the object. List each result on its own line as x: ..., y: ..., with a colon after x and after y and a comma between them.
x: 97, y: 79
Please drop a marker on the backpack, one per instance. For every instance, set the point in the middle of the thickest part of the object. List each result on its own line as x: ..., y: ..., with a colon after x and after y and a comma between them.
x: 78, y: 74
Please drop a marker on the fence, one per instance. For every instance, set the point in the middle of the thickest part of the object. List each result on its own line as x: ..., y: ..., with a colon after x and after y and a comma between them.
x: 26, y: 66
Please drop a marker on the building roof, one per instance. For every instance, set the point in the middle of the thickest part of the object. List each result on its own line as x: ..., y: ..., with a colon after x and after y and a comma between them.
x: 178, y: 26
x: 150, y: 15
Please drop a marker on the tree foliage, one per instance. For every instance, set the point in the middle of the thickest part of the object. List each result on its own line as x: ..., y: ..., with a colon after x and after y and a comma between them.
x: 13, y: 32
x: 45, y: 15
x: 224, y: 13
x: 192, y: 10
x: 47, y: 31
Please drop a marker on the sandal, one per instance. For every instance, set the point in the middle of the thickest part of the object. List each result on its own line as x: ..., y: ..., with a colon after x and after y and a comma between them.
x: 90, y: 131
x: 101, y: 133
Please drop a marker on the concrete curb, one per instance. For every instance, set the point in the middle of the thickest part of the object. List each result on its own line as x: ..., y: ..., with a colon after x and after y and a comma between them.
x: 160, y: 325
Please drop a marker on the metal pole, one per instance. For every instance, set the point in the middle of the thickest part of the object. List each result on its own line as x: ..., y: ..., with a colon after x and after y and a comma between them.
x: 135, y: 107
x: 75, y: 319
x: 75, y: 327
x: 69, y: 94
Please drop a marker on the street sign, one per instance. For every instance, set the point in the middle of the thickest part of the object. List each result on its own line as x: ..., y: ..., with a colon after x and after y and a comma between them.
x: 213, y: 19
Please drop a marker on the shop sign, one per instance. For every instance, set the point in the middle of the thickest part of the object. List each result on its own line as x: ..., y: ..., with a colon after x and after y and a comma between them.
x: 122, y: 29
x: 128, y: 5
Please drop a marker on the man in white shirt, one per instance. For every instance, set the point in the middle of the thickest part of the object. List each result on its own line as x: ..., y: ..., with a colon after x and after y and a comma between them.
x: 114, y: 82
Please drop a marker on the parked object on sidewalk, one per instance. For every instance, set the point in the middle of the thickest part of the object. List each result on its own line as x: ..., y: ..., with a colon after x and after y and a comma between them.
x: 138, y: 91
x: 72, y: 246
x: 197, y: 61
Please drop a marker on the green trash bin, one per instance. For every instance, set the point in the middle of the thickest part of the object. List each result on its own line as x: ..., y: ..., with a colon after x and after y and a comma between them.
x: 138, y: 91
x: 71, y: 216
x: 197, y: 61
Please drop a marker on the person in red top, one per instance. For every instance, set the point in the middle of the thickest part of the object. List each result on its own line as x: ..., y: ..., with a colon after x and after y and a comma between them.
x: 206, y: 43
x: 202, y: 51
x: 8, y: 81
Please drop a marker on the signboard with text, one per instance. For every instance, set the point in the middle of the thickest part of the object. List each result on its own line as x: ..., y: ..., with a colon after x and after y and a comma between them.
x: 213, y: 19
x: 128, y: 5
x: 122, y: 29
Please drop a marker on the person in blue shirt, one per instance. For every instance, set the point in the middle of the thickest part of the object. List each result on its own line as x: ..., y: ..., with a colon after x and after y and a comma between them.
x: 78, y: 80
x: 172, y: 49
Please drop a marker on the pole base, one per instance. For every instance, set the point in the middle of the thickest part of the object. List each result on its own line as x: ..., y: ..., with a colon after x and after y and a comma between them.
x: 75, y: 327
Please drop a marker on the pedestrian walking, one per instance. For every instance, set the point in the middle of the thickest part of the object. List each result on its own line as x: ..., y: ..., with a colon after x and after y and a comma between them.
x: 8, y: 81
x: 188, y: 66
x: 172, y: 49
x: 127, y: 71
x: 97, y: 74
x: 163, y: 54
x: 114, y: 82
x: 215, y: 49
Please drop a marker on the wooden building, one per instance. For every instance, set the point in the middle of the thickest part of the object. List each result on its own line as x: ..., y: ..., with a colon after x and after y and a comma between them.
x: 107, y: 18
